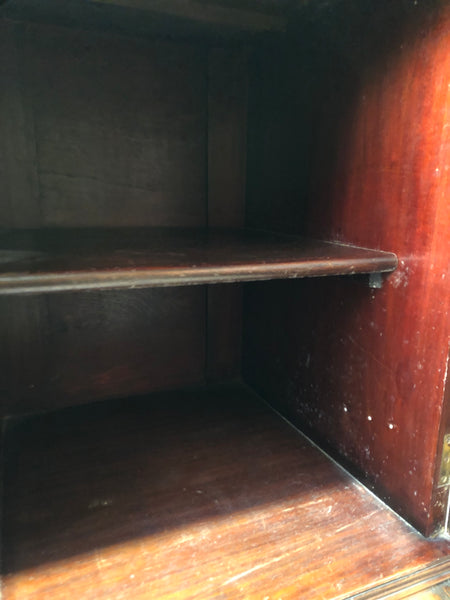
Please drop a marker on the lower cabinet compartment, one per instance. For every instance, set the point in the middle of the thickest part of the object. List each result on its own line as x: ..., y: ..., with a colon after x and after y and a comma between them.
x: 196, y: 493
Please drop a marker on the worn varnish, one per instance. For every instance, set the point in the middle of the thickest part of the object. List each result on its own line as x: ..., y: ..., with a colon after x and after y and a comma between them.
x: 195, y: 494
x: 62, y: 259
x: 369, y: 153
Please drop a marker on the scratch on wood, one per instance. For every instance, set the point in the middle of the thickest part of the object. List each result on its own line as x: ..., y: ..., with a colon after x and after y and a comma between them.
x: 381, y: 364
x: 352, y: 524
x: 253, y: 569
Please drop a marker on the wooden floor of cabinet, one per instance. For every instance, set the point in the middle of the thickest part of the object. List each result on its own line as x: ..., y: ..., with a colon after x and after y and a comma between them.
x: 201, y: 493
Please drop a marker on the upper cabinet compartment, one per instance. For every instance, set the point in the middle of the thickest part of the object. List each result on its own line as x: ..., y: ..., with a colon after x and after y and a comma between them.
x: 126, y: 154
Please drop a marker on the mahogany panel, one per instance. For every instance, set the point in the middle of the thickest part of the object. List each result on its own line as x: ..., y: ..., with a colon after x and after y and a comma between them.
x: 79, y: 259
x: 193, y: 494
x: 66, y: 349
x: 366, y: 371
x: 391, y: 188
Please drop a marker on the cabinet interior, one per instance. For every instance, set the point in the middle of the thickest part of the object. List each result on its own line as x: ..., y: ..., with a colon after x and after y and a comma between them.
x: 204, y: 214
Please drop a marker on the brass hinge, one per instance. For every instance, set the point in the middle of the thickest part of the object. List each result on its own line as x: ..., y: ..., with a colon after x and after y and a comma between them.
x: 444, y: 477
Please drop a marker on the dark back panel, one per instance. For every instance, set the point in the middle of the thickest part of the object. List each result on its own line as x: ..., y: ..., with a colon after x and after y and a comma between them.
x: 117, y: 128
x: 363, y: 370
x: 100, y: 130
x: 64, y: 349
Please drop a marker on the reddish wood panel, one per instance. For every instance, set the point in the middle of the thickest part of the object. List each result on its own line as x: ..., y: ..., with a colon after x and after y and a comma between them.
x: 390, y: 186
x: 204, y: 494
x: 366, y: 372
x: 67, y: 349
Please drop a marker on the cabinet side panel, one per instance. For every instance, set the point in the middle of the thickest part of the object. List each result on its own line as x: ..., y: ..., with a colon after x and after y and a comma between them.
x: 363, y: 370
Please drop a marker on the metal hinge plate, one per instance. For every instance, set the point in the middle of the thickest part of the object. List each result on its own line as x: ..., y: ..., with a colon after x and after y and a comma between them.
x: 444, y: 476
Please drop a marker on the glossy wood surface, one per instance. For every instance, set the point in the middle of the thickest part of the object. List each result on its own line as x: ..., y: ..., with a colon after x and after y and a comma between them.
x: 191, y: 494
x: 363, y: 369
x: 63, y: 259
x: 398, y: 154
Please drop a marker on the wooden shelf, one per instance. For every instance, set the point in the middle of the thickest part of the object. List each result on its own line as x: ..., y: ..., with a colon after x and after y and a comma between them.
x: 194, y: 494
x: 80, y: 259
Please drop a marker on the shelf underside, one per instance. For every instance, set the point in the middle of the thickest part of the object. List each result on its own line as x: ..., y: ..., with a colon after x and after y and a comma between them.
x: 193, y: 494
x: 80, y: 259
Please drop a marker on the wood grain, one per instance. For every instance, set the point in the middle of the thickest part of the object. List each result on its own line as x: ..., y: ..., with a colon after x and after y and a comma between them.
x: 365, y: 369
x: 120, y: 128
x: 66, y: 349
x: 80, y: 259
x: 195, y: 494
